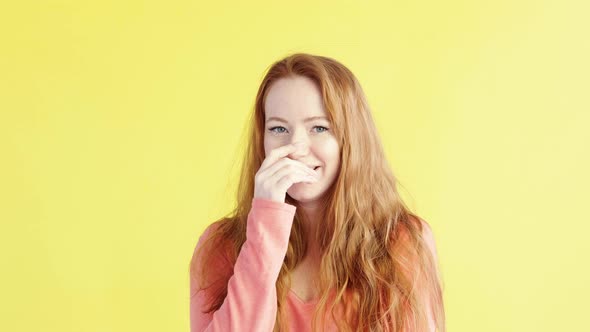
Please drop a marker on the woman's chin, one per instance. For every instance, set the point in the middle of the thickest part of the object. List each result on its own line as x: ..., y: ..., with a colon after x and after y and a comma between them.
x: 302, y: 191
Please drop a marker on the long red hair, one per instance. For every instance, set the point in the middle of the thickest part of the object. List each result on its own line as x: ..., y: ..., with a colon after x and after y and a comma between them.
x: 377, y: 255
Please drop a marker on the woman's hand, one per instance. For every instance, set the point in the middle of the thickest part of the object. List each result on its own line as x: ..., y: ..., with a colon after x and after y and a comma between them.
x: 278, y: 173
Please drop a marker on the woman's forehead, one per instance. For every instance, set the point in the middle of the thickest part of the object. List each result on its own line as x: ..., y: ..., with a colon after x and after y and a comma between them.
x: 296, y: 98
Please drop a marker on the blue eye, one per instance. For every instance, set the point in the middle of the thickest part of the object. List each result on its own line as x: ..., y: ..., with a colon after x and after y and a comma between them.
x: 272, y: 130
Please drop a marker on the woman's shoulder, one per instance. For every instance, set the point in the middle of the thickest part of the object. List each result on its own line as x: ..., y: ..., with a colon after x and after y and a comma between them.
x: 428, y: 236
x: 205, y: 238
x: 218, y: 231
x: 427, y: 233
x: 210, y: 229
x: 422, y: 224
x: 210, y: 250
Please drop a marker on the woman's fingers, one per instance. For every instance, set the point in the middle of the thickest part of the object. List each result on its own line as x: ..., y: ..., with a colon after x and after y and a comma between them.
x: 278, y: 173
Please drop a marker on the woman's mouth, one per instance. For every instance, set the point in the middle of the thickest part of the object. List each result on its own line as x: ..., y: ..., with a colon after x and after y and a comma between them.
x: 317, y: 170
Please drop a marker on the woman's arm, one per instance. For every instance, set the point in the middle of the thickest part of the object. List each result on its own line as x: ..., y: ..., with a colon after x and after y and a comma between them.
x: 251, y: 301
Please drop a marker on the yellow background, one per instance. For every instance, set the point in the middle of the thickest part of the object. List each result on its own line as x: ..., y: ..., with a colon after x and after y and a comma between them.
x: 120, y: 122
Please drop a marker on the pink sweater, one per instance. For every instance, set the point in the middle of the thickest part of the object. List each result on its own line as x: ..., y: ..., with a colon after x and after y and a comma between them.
x: 251, y: 301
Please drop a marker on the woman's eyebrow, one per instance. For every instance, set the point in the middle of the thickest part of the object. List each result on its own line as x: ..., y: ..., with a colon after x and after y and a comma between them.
x: 306, y: 120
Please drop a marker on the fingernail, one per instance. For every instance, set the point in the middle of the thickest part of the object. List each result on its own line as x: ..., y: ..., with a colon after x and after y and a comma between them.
x: 298, y: 144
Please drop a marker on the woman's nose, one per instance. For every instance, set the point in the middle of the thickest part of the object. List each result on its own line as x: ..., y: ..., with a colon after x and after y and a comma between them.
x: 301, y: 150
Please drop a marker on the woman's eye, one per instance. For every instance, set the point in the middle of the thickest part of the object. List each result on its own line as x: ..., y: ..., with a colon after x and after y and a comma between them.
x: 279, y: 127
x: 273, y: 129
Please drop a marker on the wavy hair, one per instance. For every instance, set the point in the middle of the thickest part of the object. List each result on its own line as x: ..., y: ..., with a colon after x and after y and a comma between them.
x: 376, y: 255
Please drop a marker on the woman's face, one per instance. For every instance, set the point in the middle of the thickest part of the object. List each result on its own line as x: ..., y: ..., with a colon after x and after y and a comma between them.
x: 289, y: 105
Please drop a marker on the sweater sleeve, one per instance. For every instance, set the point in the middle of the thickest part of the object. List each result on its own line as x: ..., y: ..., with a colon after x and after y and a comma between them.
x: 251, y: 300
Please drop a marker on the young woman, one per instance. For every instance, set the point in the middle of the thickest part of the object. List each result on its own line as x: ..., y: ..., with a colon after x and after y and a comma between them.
x: 320, y: 239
